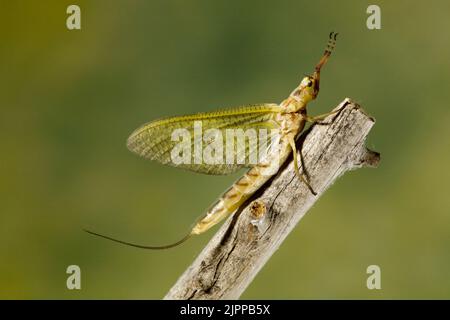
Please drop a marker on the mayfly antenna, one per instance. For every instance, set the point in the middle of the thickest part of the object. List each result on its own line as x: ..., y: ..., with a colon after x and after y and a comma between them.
x: 139, y: 245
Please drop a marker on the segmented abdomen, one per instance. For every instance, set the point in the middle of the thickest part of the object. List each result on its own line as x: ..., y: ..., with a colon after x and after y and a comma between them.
x: 242, y: 189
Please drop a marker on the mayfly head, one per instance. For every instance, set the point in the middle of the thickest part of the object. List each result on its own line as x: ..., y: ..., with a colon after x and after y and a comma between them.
x: 306, y: 91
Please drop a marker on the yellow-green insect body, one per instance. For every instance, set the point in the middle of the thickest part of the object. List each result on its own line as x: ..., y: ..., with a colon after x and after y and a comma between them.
x: 155, y: 141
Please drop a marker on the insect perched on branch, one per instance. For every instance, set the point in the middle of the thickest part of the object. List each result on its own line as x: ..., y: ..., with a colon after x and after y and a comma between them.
x: 268, y: 140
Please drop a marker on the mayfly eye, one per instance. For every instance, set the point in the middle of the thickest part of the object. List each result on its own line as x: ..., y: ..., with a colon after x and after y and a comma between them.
x: 309, y: 83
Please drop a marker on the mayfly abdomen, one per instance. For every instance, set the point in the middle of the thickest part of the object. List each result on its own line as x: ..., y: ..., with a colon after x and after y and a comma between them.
x: 242, y: 189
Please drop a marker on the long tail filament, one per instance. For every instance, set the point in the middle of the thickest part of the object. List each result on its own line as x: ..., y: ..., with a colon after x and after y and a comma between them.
x: 142, y: 246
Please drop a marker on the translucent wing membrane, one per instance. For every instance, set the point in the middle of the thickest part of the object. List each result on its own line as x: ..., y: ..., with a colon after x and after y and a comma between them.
x: 217, y: 143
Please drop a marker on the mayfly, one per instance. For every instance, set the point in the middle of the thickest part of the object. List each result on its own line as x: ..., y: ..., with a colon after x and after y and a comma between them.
x: 287, y: 120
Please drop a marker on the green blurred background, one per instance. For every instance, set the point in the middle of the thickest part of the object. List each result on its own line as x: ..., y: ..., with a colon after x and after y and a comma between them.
x: 69, y: 100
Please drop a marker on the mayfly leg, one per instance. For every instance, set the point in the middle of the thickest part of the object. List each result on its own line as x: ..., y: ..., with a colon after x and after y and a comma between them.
x: 302, y: 176
x: 318, y: 118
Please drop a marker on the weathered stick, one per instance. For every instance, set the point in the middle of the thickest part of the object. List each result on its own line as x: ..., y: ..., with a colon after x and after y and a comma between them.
x: 245, y: 242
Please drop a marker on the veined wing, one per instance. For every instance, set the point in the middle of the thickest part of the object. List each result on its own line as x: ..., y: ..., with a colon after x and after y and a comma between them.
x: 175, y: 141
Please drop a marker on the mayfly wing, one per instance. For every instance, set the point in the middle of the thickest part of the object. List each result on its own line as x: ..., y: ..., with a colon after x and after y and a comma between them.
x: 156, y: 140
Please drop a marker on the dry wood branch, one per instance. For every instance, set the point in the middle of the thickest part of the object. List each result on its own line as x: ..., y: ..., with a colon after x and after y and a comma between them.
x: 247, y: 240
